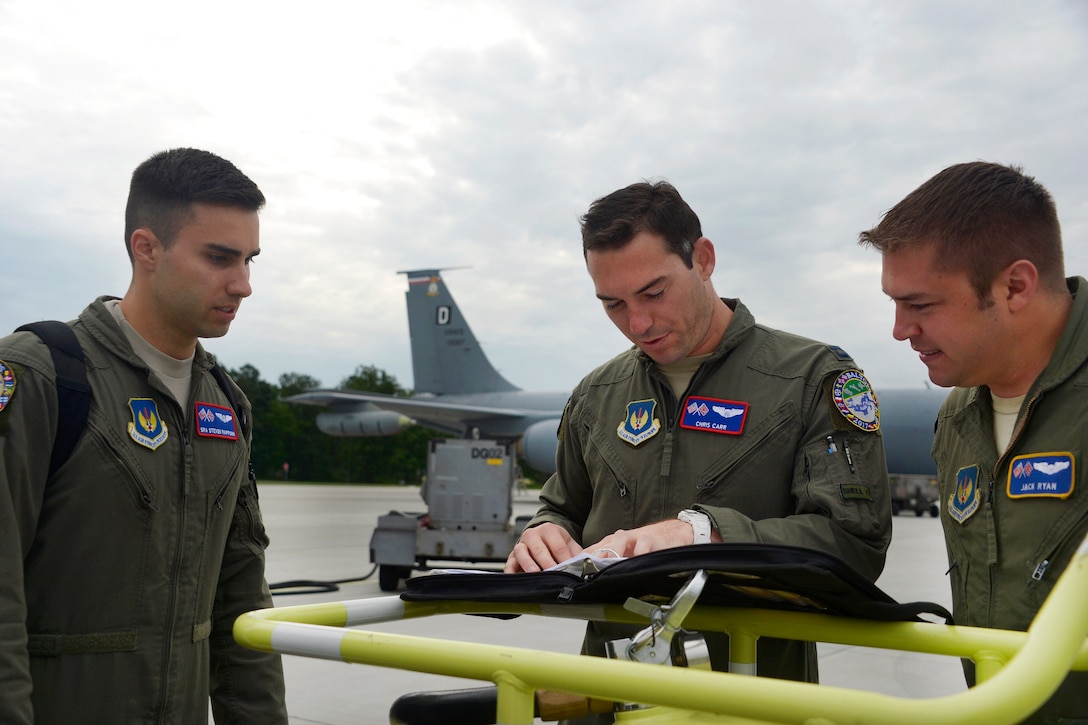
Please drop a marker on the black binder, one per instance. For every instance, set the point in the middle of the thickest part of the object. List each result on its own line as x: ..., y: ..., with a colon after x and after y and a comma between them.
x: 768, y: 576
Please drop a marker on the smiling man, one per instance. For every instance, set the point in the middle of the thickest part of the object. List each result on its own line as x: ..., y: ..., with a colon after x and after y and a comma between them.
x: 124, y: 563
x: 710, y: 428
x: 973, y: 261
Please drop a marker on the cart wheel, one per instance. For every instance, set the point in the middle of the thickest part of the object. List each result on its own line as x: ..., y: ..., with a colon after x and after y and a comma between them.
x: 389, y: 576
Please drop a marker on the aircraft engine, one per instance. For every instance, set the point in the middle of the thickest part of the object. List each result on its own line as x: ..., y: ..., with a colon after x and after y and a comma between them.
x: 537, y: 445
x: 363, y: 423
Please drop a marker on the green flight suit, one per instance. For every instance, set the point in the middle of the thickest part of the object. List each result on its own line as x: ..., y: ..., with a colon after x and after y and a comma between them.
x: 797, y: 472
x: 1011, y: 526
x: 121, y: 576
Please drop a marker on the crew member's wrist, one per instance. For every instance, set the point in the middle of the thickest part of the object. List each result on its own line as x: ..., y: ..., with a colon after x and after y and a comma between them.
x: 700, y: 525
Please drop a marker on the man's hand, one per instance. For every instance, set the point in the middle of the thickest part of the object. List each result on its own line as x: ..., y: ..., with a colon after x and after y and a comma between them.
x: 541, y: 547
x: 652, y: 537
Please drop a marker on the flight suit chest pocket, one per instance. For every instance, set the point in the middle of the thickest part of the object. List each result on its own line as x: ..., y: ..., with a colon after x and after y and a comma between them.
x: 763, y: 453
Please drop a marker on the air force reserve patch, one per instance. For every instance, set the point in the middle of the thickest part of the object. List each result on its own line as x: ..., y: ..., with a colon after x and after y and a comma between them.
x: 855, y: 399
x: 7, y: 384
x: 716, y: 416
x: 215, y: 421
x: 639, y: 424
x: 146, y: 428
x: 964, y: 501
x: 1042, y: 475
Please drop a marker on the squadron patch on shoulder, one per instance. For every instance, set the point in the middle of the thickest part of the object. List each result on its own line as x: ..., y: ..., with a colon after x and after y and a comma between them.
x: 855, y: 399
x: 146, y: 428
x: 1049, y: 475
x: 639, y: 424
x: 215, y: 421
x: 7, y: 384
x: 964, y: 501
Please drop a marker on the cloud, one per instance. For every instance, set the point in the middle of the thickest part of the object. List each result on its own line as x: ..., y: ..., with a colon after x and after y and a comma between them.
x: 418, y: 134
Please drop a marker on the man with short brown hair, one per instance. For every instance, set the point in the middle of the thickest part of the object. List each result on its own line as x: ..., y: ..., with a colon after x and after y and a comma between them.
x: 973, y: 261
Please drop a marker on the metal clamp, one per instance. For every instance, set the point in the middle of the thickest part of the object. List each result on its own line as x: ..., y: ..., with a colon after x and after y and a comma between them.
x: 655, y: 643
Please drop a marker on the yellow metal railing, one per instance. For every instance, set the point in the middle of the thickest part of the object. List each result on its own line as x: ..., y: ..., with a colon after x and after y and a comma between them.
x: 1018, y: 671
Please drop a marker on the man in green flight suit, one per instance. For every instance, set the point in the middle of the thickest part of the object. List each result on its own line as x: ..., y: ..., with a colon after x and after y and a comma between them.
x: 973, y: 261
x: 122, y: 571
x: 711, y: 428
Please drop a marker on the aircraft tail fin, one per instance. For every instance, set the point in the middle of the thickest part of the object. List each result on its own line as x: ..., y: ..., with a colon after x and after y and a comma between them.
x: 446, y: 358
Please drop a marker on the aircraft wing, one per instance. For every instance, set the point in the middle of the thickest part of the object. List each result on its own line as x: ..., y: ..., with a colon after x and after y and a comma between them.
x: 451, y: 414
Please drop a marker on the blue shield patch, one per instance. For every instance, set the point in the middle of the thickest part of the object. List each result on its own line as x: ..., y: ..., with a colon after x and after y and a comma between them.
x: 964, y: 501
x: 714, y: 415
x: 215, y: 421
x: 1045, y: 475
x: 639, y: 424
x: 147, y: 427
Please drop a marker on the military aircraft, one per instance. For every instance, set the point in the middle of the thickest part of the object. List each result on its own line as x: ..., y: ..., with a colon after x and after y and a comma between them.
x: 458, y: 391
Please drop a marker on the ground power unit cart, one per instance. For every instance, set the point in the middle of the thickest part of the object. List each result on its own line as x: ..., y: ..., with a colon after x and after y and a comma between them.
x: 468, y: 492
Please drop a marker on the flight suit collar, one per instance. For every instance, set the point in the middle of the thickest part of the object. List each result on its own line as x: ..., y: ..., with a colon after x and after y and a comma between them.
x: 741, y: 324
x: 1070, y: 354
x: 98, y: 321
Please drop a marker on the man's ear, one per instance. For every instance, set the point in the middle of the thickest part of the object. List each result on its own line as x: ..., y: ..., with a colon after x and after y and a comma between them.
x: 702, y: 257
x: 145, y: 247
x: 1021, y: 282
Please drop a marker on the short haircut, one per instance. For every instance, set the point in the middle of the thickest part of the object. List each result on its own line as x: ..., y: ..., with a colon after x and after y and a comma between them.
x: 165, y: 187
x: 981, y: 217
x: 614, y: 220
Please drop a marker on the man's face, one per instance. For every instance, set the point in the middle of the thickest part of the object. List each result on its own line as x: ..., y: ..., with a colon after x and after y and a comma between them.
x: 201, y: 279
x: 939, y: 313
x: 654, y: 299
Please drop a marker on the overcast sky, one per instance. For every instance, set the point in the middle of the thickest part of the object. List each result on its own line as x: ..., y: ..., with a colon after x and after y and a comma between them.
x: 403, y: 135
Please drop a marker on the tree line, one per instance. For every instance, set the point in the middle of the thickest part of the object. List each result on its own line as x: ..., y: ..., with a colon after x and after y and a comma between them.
x: 288, y: 445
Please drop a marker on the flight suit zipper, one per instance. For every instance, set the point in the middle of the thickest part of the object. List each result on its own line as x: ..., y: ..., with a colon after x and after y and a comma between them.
x: 673, y: 413
x: 1040, y: 570
x: 179, y: 556
x: 991, y: 519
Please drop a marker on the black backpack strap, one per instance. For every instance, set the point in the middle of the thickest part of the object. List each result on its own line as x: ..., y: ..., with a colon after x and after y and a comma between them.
x: 73, y: 390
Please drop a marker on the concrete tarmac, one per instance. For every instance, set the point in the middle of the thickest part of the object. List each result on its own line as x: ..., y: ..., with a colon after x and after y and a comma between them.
x: 322, y: 533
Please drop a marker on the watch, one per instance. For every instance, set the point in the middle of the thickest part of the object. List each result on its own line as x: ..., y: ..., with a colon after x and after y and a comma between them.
x: 700, y: 524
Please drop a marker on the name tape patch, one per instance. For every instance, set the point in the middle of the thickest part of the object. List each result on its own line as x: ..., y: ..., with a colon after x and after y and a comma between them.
x: 1042, y: 475
x: 215, y: 421
x: 714, y: 415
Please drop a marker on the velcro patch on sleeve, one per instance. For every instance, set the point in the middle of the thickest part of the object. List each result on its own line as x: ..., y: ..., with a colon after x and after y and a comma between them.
x: 854, y: 398
x: 7, y: 384
x: 855, y: 492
